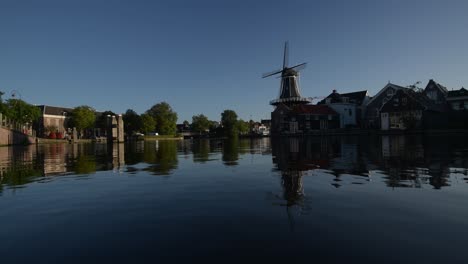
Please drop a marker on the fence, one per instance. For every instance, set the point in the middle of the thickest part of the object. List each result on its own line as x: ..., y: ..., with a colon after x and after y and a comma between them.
x: 19, y: 127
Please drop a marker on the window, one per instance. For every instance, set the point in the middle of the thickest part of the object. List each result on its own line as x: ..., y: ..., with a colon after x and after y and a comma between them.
x: 328, y: 101
x: 404, y: 100
x: 390, y: 92
x: 345, y: 99
x: 350, y: 112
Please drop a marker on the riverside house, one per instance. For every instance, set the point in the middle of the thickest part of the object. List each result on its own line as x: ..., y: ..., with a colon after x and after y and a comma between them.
x: 303, y: 119
x: 350, y: 106
x: 53, y: 119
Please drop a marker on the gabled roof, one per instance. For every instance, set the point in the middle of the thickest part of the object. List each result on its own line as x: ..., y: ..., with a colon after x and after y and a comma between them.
x: 457, y: 93
x: 314, y: 110
x: 354, y: 97
x: 417, y: 101
x: 394, y: 86
x: 442, y: 88
x: 54, y: 110
x: 357, y: 97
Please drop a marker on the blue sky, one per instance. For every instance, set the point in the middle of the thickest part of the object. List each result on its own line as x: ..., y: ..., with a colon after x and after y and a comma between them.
x: 207, y: 56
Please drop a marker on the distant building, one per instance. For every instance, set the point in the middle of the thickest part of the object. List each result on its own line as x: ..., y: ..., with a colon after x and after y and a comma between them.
x: 372, y: 113
x: 266, y: 122
x: 55, y: 119
x: 458, y: 99
x: 302, y: 119
x: 436, y: 92
x: 408, y: 109
x: 350, y: 106
x: 52, y: 118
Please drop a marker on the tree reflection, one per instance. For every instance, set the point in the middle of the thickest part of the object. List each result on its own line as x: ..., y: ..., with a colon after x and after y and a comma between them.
x: 162, y: 155
x: 85, y: 164
x: 19, y: 174
x: 201, y: 150
x: 231, y: 151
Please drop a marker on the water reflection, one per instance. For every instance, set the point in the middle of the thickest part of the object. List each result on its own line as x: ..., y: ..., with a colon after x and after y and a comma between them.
x: 402, y: 161
x: 397, y: 161
x: 160, y: 157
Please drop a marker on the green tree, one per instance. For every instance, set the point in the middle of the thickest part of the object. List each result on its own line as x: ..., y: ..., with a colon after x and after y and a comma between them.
x: 229, y: 123
x: 148, y: 124
x: 83, y: 117
x: 21, y: 112
x: 200, y: 123
x: 243, y: 127
x: 132, y: 122
x: 165, y: 118
x: 101, y: 121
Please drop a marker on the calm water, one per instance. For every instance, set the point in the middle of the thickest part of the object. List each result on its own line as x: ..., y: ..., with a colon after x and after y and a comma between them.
x: 398, y: 199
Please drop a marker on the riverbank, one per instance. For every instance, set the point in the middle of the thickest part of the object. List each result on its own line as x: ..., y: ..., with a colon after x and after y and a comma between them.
x: 152, y: 138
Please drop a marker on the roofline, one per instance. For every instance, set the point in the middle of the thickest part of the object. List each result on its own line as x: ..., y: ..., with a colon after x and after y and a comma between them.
x: 439, y: 86
x: 381, y: 91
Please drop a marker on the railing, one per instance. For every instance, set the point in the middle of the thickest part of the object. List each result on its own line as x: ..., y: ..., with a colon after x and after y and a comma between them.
x: 290, y: 99
x: 19, y: 127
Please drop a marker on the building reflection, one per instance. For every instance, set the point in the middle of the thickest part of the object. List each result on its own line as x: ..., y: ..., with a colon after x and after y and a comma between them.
x: 402, y: 160
x: 409, y: 161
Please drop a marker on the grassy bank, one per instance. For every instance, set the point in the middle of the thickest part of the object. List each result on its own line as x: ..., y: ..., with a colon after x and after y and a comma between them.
x: 163, y: 137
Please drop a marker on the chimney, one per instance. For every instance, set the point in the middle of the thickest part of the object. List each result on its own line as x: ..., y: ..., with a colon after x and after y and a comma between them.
x: 334, y: 91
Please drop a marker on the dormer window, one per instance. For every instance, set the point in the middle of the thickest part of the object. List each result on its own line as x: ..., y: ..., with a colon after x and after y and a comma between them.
x: 345, y: 99
x: 328, y: 101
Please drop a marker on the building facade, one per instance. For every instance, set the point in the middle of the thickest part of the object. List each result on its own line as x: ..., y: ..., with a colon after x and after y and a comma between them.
x: 53, y: 119
x: 375, y: 104
x: 303, y: 119
x: 350, y: 106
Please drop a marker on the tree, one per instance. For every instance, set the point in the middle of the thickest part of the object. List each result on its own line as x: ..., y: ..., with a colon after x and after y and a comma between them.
x: 229, y: 122
x: 101, y: 121
x: 83, y: 117
x: 148, y: 124
x: 132, y: 122
x: 200, y: 123
x: 165, y: 118
x: 243, y: 127
x: 21, y: 112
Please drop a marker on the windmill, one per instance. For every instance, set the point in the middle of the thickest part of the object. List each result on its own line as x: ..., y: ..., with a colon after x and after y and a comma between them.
x: 289, y: 90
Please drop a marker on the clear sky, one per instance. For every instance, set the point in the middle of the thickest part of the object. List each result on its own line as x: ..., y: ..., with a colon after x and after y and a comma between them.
x: 207, y: 56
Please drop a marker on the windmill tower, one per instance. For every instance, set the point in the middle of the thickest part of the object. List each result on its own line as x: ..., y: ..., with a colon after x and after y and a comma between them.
x: 289, y: 90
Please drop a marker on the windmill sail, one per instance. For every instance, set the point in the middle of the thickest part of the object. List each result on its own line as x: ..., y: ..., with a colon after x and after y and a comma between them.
x: 289, y: 90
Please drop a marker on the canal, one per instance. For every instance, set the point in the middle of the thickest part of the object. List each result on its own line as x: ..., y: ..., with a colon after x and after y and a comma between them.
x: 377, y: 199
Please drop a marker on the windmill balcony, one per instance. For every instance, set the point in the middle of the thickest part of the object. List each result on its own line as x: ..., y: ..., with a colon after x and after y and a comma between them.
x: 289, y: 100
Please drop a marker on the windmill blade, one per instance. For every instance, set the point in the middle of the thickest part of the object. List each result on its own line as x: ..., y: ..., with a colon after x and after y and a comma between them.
x: 299, y: 66
x: 286, y: 55
x: 271, y: 73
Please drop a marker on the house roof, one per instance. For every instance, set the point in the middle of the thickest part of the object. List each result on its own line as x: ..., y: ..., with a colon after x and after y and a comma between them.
x: 394, y: 86
x: 354, y: 97
x: 420, y: 101
x: 314, y: 110
x: 457, y: 93
x: 54, y: 110
x: 442, y: 88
